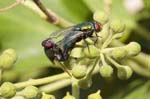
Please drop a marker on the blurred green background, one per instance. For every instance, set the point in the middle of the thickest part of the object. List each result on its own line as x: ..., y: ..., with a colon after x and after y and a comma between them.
x: 23, y: 30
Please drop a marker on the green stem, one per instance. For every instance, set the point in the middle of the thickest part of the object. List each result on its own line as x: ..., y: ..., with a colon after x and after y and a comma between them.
x: 41, y: 81
x: 45, y: 13
x: 138, y: 58
x: 11, y: 6
x: 108, y: 40
x: 143, y: 59
x: 55, y: 86
x: 0, y: 75
x: 89, y: 73
x: 113, y: 61
x: 103, y: 59
x: 137, y: 68
x: 75, y: 88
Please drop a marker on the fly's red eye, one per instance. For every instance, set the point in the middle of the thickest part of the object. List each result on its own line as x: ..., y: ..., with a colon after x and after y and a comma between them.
x: 47, y: 44
x: 97, y: 27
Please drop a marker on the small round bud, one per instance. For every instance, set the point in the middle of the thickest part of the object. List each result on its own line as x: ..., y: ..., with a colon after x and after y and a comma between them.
x: 18, y: 97
x: 79, y: 71
x: 11, y: 52
x: 106, y: 71
x: 118, y: 53
x: 117, y: 26
x: 101, y: 17
x: 91, y: 52
x: 85, y: 83
x: 47, y: 96
x: 7, y: 59
x: 30, y: 92
x: 7, y: 90
x: 76, y: 52
x: 133, y: 48
x: 124, y: 72
x: 95, y: 95
x: 68, y: 96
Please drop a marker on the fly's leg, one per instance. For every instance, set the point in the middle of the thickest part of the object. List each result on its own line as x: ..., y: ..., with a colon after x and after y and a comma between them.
x: 65, y: 54
x: 86, y: 42
x: 96, y: 38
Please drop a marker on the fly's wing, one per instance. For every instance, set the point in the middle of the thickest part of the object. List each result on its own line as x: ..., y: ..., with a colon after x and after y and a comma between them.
x: 60, y: 34
x: 70, y: 37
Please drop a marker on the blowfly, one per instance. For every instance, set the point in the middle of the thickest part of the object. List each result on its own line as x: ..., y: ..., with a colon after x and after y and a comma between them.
x: 60, y: 43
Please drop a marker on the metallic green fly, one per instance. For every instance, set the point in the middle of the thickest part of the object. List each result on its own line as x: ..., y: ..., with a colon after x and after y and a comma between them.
x: 60, y: 43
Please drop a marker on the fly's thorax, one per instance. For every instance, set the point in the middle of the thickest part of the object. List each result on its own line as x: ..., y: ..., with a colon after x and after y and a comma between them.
x: 86, y: 26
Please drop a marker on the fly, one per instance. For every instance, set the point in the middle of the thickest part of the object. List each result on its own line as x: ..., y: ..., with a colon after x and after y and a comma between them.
x: 60, y: 43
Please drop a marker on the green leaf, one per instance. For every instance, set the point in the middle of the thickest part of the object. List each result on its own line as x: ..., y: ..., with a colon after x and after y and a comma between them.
x: 23, y: 30
x: 137, y: 89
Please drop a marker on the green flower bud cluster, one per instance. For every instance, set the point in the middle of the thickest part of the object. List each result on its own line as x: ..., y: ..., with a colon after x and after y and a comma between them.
x: 7, y: 58
x: 7, y: 90
x: 95, y: 95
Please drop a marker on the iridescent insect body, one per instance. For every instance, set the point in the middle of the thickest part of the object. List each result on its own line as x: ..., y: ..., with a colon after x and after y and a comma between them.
x: 60, y: 48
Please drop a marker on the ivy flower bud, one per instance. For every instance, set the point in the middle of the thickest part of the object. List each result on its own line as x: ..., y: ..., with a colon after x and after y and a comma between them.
x: 106, y: 71
x: 68, y: 96
x: 101, y: 17
x: 7, y: 59
x: 117, y: 26
x: 79, y: 71
x: 118, y: 53
x: 30, y: 92
x: 133, y: 48
x: 11, y: 52
x: 95, y: 95
x: 47, y: 96
x: 124, y: 72
x: 91, y: 52
x: 7, y: 90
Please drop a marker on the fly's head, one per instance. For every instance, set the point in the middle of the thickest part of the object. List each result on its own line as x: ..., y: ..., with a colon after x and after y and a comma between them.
x: 49, y: 49
x: 97, y: 26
